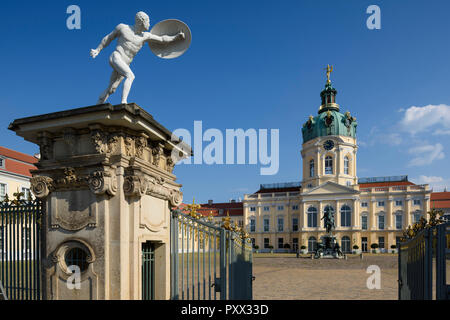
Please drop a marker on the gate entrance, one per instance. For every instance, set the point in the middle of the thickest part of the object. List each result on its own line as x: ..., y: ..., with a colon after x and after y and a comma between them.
x: 209, y: 261
x: 20, y: 247
x: 148, y: 271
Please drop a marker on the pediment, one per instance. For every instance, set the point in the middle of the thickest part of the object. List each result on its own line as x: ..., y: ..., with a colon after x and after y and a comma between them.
x: 328, y: 188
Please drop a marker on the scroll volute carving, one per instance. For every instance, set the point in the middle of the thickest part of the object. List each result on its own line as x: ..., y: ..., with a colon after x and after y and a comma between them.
x: 101, y: 182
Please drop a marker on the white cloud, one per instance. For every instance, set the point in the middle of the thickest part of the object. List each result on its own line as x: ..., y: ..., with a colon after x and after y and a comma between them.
x: 436, y: 183
x: 435, y: 118
x: 426, y: 154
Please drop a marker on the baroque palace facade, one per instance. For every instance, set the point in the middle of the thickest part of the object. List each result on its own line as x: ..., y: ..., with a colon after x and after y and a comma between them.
x: 366, y: 211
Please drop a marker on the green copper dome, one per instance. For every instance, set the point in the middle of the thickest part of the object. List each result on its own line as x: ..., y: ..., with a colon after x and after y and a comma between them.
x: 329, y: 122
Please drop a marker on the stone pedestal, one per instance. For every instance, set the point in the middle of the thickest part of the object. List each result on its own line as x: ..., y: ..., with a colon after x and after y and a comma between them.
x: 105, y: 175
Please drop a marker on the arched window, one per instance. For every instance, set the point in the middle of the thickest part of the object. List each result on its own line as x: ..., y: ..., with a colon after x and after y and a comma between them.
x: 312, y: 244
x: 346, y: 216
x: 328, y: 207
x: 345, y: 244
x: 328, y: 165
x: 312, y: 217
x: 346, y: 165
x: 311, y: 168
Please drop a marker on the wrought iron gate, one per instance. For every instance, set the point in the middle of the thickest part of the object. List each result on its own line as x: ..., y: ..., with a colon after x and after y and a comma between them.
x: 209, y: 261
x: 20, y: 244
x: 148, y: 271
x: 415, y: 264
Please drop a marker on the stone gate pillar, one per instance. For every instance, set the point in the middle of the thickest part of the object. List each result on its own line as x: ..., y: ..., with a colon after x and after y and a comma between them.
x: 105, y: 174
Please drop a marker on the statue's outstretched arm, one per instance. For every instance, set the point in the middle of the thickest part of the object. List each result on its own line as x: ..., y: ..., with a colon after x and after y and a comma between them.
x: 165, y: 39
x: 105, y: 42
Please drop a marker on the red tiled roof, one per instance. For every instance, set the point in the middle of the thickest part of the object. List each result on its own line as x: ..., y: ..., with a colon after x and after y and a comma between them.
x: 440, y: 200
x: 17, y: 155
x: 436, y: 196
x: 386, y: 184
x: 214, y: 209
x: 14, y: 162
x: 440, y: 204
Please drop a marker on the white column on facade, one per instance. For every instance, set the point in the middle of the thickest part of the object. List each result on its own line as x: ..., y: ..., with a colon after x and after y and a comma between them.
x: 372, y: 216
x: 389, y: 213
x: 338, y: 214
x: 355, y: 214
x: 408, y: 211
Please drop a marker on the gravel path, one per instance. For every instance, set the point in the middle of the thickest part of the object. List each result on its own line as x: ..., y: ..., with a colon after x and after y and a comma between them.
x: 332, y: 279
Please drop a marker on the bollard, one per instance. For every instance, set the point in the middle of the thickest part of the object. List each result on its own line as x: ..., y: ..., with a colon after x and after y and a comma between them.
x: 360, y: 256
x: 298, y: 254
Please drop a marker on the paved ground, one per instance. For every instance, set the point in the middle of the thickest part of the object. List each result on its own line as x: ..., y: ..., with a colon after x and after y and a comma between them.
x: 286, y: 277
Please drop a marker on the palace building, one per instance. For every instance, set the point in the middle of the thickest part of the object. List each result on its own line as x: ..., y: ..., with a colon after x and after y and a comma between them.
x: 367, y: 210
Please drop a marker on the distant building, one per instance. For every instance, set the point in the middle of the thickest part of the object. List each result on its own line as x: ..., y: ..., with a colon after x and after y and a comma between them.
x: 15, y: 172
x: 367, y: 210
x: 218, y: 211
x: 441, y: 201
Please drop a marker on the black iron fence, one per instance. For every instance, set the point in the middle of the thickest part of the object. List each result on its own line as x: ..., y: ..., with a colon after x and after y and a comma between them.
x: 20, y: 268
x: 415, y: 264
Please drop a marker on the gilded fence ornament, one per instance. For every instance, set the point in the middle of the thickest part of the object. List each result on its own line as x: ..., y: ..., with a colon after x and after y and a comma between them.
x: 193, y: 209
x: 227, y: 222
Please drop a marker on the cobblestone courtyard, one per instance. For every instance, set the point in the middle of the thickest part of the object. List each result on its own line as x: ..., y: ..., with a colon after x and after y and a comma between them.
x: 286, y: 277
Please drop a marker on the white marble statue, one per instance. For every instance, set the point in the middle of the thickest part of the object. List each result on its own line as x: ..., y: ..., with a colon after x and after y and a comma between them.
x: 130, y: 40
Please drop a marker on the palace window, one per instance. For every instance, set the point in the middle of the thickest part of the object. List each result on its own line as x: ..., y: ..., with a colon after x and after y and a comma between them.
x: 295, y: 244
x: 266, y: 225
x: 2, y: 191
x: 280, y: 208
x: 381, y: 203
x: 253, y: 242
x: 266, y: 208
x: 398, y: 222
x: 346, y: 216
x: 312, y: 217
x: 364, y: 222
x: 398, y: 203
x: 26, y: 193
x: 295, y: 207
x: 280, y: 224
x: 312, y: 244
x: 416, y: 202
x: 252, y: 225
x: 381, y: 242
x: 364, y: 204
x: 280, y: 243
x: 294, y: 224
x: 252, y: 209
x: 346, y: 165
x: 266, y: 243
x: 417, y: 216
x: 345, y: 244
x: 311, y: 168
x: 328, y: 165
x: 381, y: 222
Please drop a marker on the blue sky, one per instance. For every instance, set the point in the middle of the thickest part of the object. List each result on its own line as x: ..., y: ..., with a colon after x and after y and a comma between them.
x: 251, y: 64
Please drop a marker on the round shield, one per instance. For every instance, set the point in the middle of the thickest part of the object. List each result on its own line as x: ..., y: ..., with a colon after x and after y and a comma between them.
x: 174, y: 49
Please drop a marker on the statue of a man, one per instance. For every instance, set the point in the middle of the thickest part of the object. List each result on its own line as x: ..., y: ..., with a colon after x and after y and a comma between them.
x: 130, y: 40
x: 328, y: 217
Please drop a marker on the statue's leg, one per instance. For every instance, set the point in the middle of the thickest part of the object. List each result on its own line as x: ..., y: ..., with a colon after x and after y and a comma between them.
x: 124, y: 70
x: 114, y: 82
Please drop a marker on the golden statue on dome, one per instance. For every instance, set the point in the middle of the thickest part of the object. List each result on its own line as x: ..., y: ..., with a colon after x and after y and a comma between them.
x: 329, y: 71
